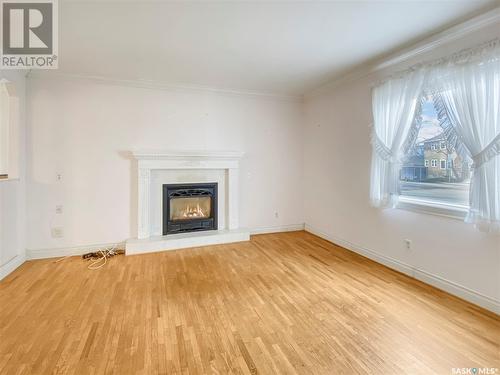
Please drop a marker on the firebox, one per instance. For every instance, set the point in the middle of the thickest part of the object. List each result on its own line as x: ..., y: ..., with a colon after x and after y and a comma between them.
x: 189, y: 207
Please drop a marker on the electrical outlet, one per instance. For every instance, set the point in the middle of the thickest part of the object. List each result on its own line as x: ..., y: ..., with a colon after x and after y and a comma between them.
x: 276, y: 214
x: 59, y: 209
x: 57, y: 232
x: 408, y: 244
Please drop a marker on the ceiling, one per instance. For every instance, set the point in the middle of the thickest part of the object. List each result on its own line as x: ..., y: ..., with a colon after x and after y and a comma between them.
x: 276, y: 47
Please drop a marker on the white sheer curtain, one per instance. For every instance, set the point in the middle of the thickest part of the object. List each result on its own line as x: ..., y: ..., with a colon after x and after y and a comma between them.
x: 471, y: 94
x: 394, y: 103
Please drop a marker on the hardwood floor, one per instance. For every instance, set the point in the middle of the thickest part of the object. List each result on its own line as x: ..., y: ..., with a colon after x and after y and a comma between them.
x: 280, y: 304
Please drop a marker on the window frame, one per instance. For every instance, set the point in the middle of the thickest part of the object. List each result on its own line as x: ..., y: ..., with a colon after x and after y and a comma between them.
x: 441, y: 164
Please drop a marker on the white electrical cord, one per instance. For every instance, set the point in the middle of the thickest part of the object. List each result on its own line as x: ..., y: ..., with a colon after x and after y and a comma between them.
x: 61, y: 259
x: 96, y: 264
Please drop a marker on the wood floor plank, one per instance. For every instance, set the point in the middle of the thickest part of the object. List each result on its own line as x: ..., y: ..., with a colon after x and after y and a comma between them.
x: 286, y: 303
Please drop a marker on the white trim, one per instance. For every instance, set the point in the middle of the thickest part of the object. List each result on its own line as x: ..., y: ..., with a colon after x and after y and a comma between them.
x: 449, y: 210
x: 426, y: 162
x: 434, y: 163
x: 441, y: 164
x: 441, y: 38
x: 439, y: 282
x: 69, y: 251
x: 373, y: 255
x: 414, y: 51
x: 424, y: 276
x: 277, y: 229
x: 154, y: 85
x: 11, y: 265
x: 32, y: 254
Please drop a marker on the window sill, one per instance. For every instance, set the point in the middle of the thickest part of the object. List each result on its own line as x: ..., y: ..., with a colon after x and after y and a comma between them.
x: 449, y: 210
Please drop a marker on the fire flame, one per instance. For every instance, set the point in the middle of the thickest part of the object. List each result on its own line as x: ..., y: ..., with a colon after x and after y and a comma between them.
x: 193, y: 212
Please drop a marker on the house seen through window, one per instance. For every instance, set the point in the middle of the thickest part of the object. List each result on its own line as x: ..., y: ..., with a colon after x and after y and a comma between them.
x: 432, y: 169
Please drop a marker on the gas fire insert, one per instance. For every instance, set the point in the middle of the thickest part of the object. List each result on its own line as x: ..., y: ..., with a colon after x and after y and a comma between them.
x: 189, y: 207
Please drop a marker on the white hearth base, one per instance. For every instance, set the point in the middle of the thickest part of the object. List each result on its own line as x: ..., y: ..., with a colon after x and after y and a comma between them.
x: 185, y: 240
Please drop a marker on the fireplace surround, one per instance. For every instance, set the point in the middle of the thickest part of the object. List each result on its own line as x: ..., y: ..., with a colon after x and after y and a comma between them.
x: 157, y: 168
x: 189, y: 207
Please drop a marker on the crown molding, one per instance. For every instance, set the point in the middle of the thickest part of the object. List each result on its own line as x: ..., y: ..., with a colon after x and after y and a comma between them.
x: 147, y: 84
x: 414, y: 51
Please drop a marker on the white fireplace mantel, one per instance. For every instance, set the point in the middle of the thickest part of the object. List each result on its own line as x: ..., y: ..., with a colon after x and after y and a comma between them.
x: 148, y: 161
x: 193, y: 155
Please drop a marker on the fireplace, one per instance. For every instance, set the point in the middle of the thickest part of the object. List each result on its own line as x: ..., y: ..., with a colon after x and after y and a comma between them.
x: 189, y: 207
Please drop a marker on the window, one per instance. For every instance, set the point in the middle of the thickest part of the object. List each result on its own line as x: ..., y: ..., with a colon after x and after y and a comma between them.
x: 446, y: 181
x: 454, y: 104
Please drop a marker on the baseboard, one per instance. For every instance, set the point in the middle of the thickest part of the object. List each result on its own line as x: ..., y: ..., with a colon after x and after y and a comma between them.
x: 277, y: 229
x: 79, y: 250
x: 11, y: 265
x: 448, y: 286
x: 32, y: 254
x: 424, y: 276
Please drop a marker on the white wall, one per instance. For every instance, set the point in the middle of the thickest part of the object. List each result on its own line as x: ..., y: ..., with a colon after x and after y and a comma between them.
x: 12, y: 192
x: 81, y: 130
x: 446, y: 252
